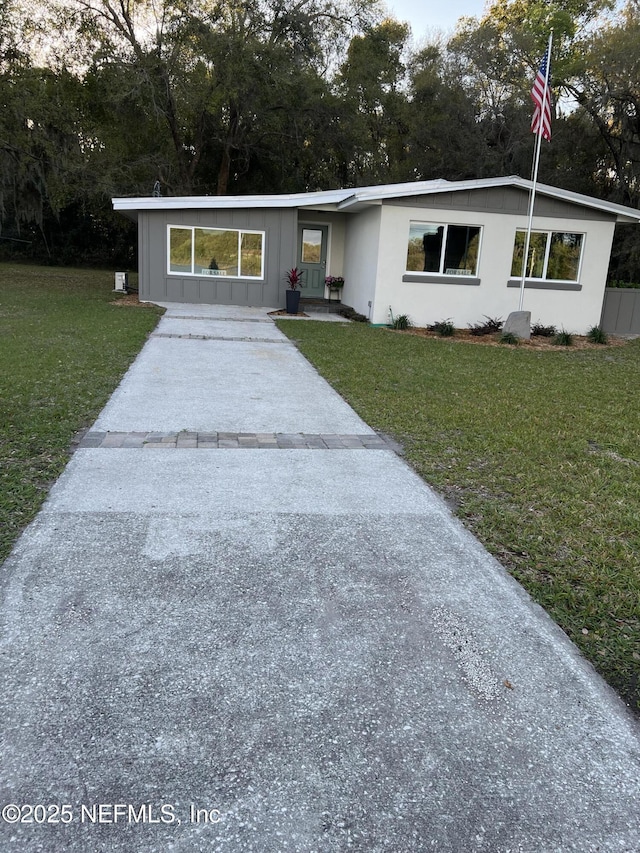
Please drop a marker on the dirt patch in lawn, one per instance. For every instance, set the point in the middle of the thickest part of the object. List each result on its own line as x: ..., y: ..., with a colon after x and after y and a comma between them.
x: 129, y: 300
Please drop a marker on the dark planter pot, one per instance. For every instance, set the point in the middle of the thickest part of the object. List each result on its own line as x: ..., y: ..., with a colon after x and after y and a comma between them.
x: 293, y: 301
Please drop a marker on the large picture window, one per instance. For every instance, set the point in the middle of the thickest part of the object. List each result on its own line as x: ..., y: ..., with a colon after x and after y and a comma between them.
x: 443, y: 249
x: 216, y: 251
x: 553, y: 255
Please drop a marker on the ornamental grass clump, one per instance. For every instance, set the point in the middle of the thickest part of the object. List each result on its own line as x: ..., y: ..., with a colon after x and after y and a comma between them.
x: 509, y: 338
x: 563, y: 339
x: 444, y: 328
x: 596, y: 336
x: 402, y: 322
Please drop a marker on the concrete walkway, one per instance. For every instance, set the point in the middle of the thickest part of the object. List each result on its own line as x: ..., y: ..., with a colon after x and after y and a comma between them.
x: 216, y: 639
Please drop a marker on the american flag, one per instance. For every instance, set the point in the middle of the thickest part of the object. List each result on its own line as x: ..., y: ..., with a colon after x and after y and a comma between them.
x: 541, y: 121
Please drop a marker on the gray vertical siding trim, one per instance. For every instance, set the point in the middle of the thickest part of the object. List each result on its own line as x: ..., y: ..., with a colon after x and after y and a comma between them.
x: 279, y: 226
x: 621, y: 311
x: 500, y: 200
x: 143, y: 282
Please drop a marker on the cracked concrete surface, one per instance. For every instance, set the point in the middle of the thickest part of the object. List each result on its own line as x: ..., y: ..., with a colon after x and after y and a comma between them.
x: 285, y: 649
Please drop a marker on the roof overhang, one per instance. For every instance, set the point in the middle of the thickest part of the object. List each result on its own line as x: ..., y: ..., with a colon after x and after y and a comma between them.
x: 356, y: 199
x: 621, y: 213
x: 329, y: 198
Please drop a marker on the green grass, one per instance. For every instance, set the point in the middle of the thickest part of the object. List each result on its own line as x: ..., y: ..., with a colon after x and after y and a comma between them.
x: 63, y: 349
x: 538, y: 452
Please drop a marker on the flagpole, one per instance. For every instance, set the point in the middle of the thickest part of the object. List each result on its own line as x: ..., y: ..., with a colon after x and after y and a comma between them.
x: 534, y: 182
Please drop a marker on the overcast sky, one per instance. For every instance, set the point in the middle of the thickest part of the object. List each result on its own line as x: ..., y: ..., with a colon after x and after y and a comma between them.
x: 428, y: 15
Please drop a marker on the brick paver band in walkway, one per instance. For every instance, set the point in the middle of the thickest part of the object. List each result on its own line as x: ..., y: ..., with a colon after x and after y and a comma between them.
x: 220, y: 440
x: 222, y: 319
x: 191, y: 337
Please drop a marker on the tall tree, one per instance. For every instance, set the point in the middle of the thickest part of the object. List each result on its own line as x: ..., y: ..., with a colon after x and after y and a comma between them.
x: 217, y: 79
x: 372, y: 85
x: 40, y: 153
x: 444, y: 138
x: 498, y: 56
x: 606, y: 85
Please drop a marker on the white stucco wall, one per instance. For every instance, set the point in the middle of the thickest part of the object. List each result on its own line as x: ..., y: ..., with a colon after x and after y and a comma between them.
x: 428, y: 302
x: 362, y: 247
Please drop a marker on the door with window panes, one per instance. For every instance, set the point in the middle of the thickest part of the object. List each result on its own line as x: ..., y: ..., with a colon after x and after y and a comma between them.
x: 312, y: 258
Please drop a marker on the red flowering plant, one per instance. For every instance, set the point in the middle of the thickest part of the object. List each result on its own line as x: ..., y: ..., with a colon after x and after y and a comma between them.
x: 294, y: 277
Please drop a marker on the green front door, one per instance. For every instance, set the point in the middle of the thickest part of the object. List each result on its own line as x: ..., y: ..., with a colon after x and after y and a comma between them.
x: 312, y: 258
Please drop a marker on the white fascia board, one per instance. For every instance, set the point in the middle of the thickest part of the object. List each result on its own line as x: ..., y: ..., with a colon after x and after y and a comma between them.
x: 376, y: 195
x: 352, y: 200
x: 354, y: 204
x: 331, y: 197
x: 622, y: 213
x: 327, y: 207
x: 367, y: 196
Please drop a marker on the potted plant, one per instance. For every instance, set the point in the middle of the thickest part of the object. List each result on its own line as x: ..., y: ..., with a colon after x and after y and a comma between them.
x: 294, y: 278
x: 335, y: 283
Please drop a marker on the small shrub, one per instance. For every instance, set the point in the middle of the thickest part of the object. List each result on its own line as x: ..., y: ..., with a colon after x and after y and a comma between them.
x: 543, y: 331
x: 477, y: 329
x: 351, y: 314
x: 444, y: 328
x: 489, y: 327
x: 597, y: 336
x: 509, y: 338
x: 402, y: 321
x: 563, y: 339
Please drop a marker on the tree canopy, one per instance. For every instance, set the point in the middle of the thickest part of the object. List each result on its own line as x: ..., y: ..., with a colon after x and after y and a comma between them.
x: 101, y: 99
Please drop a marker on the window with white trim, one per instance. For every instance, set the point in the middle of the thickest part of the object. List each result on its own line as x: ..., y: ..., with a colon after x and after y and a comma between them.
x: 443, y: 249
x: 216, y: 252
x: 553, y: 255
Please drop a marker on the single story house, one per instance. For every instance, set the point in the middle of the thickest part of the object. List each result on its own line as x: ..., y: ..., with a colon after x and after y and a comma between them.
x: 431, y: 249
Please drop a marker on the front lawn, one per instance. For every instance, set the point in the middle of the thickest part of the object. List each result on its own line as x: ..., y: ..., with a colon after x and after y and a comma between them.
x: 538, y: 452
x: 63, y: 349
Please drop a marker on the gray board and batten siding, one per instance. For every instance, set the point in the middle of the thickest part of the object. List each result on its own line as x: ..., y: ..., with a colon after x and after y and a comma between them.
x: 501, y: 200
x: 280, y: 243
x: 621, y: 311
